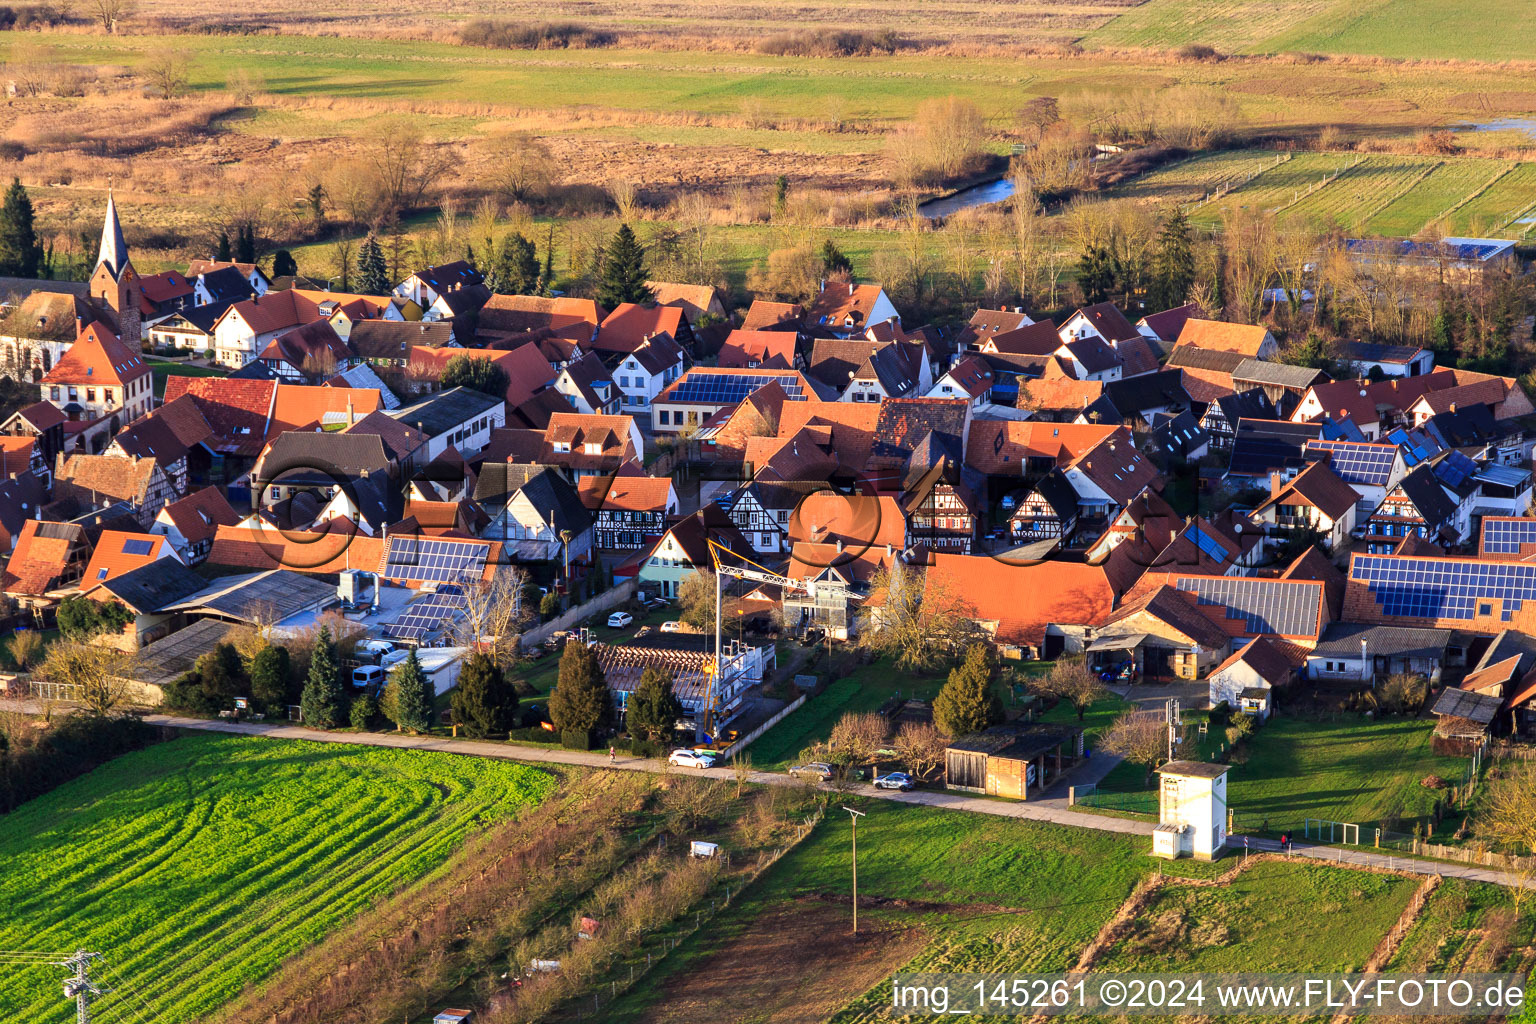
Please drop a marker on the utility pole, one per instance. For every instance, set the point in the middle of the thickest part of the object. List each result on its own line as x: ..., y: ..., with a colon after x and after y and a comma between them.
x: 80, y: 988
x: 1171, y: 711
x: 855, y: 816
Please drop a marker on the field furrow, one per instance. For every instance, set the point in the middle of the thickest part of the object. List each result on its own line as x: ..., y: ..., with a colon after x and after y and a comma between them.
x: 199, y: 865
x: 1445, y: 186
x: 1279, y: 186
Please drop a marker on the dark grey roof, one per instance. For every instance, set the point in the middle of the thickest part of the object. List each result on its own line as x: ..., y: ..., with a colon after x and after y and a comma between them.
x: 1094, y: 353
x: 1206, y: 358
x: 322, y: 457
x: 256, y: 370
x: 1264, y: 445
x: 498, y: 481
x: 169, y: 657
x: 1264, y: 606
x: 1262, y: 371
x: 446, y: 277
x: 20, y: 498
x: 392, y: 339
x: 1469, y: 704
x: 552, y: 495
x: 465, y: 301
x: 1371, y: 352
x: 1148, y: 391
x: 201, y: 317
x: 1471, y: 424
x: 1342, y: 639
x: 155, y: 586
x: 1179, y: 434
x: 1252, y: 404
x: 227, y: 284
x: 1423, y: 488
x: 1058, y: 493
x: 445, y: 411
x: 21, y: 287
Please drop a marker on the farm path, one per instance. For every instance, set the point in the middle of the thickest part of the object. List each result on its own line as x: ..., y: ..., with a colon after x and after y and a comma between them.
x: 1049, y: 811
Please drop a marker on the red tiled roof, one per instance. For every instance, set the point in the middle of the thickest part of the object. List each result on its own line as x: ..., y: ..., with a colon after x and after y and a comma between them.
x: 38, y: 561
x: 527, y: 369
x: 42, y: 415
x: 1167, y: 324
x: 763, y: 315
x: 625, y: 493
x: 237, y: 411
x: 1022, y: 599
x: 110, y: 560
x: 1002, y: 447
x: 199, y: 515
x: 97, y: 357
x: 1060, y: 394
x: 334, y: 547
x: 1037, y: 339
x: 1206, y: 385
x: 1244, y: 338
x: 16, y: 455
x: 769, y: 349
x: 855, y: 519
x: 629, y: 325
x: 301, y: 405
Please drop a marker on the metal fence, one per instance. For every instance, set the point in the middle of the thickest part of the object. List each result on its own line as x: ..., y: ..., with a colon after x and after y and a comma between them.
x: 1140, y: 802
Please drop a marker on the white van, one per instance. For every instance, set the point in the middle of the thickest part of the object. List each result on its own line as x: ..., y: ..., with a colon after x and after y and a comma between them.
x: 367, y: 675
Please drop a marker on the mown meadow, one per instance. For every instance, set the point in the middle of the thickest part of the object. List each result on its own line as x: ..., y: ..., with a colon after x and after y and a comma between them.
x: 197, y: 866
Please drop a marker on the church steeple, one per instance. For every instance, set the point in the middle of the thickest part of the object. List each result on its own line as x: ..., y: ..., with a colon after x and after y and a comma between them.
x: 114, y: 248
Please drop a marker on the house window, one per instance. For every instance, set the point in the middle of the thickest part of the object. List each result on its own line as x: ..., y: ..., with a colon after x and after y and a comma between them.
x: 623, y: 382
x: 783, y: 515
x: 1485, y: 609
x: 663, y: 420
x: 90, y: 394
x: 55, y: 395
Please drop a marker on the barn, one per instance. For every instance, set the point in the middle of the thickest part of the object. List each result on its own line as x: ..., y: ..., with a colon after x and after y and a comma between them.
x: 1017, y: 760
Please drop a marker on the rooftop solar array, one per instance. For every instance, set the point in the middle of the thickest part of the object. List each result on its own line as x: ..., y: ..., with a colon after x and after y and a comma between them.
x: 730, y: 388
x: 1438, y: 588
x: 424, y: 560
x: 1454, y: 469
x: 423, y: 618
x: 1504, y: 536
x: 1276, y: 607
x: 138, y: 547
x: 1212, y: 547
x: 1357, y: 463
x: 1414, y: 451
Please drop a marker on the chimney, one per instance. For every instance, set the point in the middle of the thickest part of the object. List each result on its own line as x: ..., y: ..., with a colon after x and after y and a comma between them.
x: 839, y: 545
x: 850, y: 287
x: 1453, y: 407
x: 1276, y: 483
x: 351, y: 416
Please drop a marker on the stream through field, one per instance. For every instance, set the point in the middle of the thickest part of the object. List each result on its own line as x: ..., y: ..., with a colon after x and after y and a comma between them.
x: 985, y: 194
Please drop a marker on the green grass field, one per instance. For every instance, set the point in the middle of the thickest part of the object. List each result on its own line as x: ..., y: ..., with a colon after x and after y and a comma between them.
x: 1277, y: 187
x: 1447, y: 185
x: 160, y: 369
x: 1190, y: 180
x: 1277, y: 916
x: 198, y: 865
x: 1504, y: 201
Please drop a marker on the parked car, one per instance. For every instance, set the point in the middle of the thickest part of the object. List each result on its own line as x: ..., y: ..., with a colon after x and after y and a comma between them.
x: 393, y: 658
x: 618, y: 620
x: 365, y: 676
x: 557, y: 639
x: 818, y: 770
x: 895, y: 780
x: 684, y: 758
x: 671, y: 627
x: 655, y: 602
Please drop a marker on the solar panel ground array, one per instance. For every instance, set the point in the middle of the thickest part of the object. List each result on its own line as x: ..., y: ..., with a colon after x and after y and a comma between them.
x: 1430, y: 588
x: 1506, y: 536
x: 730, y: 388
x: 1265, y: 606
x: 418, y: 560
x: 1357, y: 463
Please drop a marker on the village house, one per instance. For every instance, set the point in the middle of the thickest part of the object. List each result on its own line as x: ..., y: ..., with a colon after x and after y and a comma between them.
x: 99, y: 379
x: 630, y: 510
x: 1246, y: 681
x: 256, y: 281
x: 98, y: 481
x: 843, y: 309
x: 1315, y: 501
x: 698, y: 395
x: 535, y: 514
x: 1255, y: 342
x: 1387, y: 360
x: 459, y: 417
x: 190, y: 523
x: 661, y: 566
x: 986, y: 324
x: 425, y: 287
x: 752, y: 350
x: 588, y: 385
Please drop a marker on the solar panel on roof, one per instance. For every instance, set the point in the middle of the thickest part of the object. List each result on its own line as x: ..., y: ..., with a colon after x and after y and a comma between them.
x: 1505, y: 536
x: 730, y: 388
x: 1454, y: 469
x: 1357, y: 463
x: 1426, y: 588
x: 428, y: 616
x: 1210, y: 545
x: 1264, y: 606
x: 138, y: 547
x: 425, y: 560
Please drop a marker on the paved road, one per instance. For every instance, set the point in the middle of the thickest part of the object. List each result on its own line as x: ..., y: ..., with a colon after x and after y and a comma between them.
x: 1052, y: 809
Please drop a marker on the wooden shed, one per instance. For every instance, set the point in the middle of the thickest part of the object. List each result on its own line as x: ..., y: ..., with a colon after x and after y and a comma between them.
x: 1017, y: 760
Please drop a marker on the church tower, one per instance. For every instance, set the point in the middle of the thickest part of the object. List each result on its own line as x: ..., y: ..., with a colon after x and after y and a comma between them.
x: 115, y: 284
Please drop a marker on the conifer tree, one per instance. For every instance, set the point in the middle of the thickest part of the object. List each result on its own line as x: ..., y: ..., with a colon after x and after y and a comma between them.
x: 223, y: 255
x: 245, y: 244
x: 372, y: 275
x: 1096, y: 274
x: 653, y: 709
x: 1173, y: 267
x: 517, y: 267
x: 20, y: 252
x: 408, y: 696
x: 580, y: 701
x: 833, y: 261
x: 283, y: 264
x: 323, y: 698
x: 483, y: 375
x: 269, y: 676
x: 624, y: 273
x: 967, y: 704
x: 483, y: 701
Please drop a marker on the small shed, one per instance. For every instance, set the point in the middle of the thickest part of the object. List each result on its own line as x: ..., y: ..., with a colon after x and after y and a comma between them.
x: 1016, y: 760
x: 452, y: 1017
x: 1244, y: 680
x: 1191, y: 810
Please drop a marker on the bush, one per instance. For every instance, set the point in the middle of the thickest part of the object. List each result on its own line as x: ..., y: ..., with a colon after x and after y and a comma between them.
x: 833, y: 44
x: 531, y: 734
x: 505, y: 34
x: 1221, y: 713
x: 37, y: 760
x: 1197, y: 51
x: 364, y: 710
x: 576, y: 739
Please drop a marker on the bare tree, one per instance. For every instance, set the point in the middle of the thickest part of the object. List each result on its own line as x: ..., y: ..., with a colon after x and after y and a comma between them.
x: 625, y: 198
x: 245, y: 84
x: 495, y: 615
x: 111, y: 13
x: 99, y: 673
x: 167, y: 70
x: 1071, y: 680
x: 741, y: 769
x: 407, y: 166
x: 921, y: 746
x: 1139, y: 737
x: 1510, y: 819
x: 857, y: 736
x: 920, y: 623
x: 524, y: 168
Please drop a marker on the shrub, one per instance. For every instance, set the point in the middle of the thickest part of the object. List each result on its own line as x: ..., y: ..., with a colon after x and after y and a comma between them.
x: 1197, y: 51
x: 505, y: 34
x: 576, y: 739
x: 833, y: 44
x: 364, y: 710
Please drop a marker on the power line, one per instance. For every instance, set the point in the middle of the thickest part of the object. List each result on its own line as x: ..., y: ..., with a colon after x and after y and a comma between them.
x: 123, y: 986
